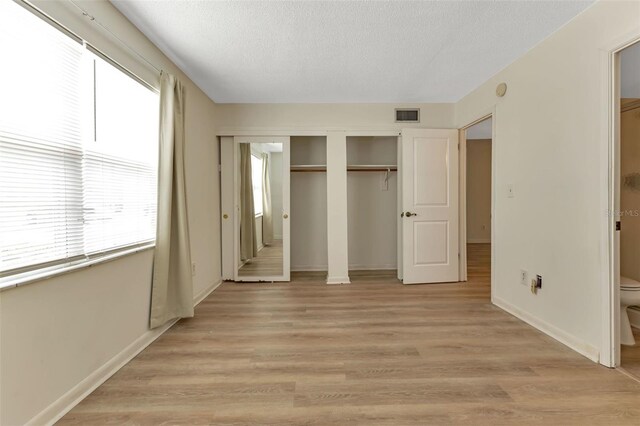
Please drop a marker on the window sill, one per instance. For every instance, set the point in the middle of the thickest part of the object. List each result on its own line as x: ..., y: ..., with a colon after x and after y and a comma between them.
x: 25, y: 278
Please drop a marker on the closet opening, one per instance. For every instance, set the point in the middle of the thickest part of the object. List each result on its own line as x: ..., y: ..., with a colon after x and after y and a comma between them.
x: 478, y: 148
x: 372, y: 207
x: 309, y: 249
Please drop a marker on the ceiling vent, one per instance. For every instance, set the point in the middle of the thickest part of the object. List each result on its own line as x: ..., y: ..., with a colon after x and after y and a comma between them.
x: 410, y: 115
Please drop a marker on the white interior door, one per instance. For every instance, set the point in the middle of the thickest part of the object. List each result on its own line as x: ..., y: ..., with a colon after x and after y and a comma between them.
x: 429, y: 217
x: 273, y: 261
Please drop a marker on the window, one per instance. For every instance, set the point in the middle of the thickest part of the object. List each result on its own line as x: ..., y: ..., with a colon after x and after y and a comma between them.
x: 256, y: 177
x: 78, y: 149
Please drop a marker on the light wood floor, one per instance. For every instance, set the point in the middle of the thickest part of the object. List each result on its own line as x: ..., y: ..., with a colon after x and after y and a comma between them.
x: 267, y: 263
x: 630, y: 356
x: 370, y: 353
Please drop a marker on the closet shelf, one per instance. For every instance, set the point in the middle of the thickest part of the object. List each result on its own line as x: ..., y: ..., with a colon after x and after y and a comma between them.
x: 372, y: 168
x: 309, y: 168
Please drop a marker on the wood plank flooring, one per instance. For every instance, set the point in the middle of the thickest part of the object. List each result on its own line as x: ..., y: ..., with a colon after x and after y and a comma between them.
x: 375, y: 352
x: 630, y: 356
x: 268, y: 262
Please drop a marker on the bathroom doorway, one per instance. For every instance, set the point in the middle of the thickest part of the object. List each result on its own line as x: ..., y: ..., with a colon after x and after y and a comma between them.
x: 628, y: 215
x: 476, y: 186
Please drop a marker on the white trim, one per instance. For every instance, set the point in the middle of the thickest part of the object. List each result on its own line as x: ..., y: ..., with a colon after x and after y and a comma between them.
x: 338, y: 280
x: 369, y: 267
x: 75, y: 395
x: 478, y: 241
x: 491, y: 113
x: 205, y: 292
x: 37, y: 275
x: 462, y: 203
x: 308, y: 268
x: 567, y: 339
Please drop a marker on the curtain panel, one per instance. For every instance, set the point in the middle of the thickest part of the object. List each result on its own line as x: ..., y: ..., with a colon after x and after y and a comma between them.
x: 172, y: 287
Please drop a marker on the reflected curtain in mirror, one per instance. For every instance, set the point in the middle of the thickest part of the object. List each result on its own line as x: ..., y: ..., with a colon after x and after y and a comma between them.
x: 248, y: 239
x: 267, y: 215
x: 172, y: 287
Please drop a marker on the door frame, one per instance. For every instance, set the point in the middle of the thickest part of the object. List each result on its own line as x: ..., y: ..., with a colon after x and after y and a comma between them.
x: 286, y: 231
x: 610, y: 349
x: 462, y: 179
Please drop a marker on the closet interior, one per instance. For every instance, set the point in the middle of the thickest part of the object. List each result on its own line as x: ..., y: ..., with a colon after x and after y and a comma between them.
x: 308, y: 203
x: 372, y: 199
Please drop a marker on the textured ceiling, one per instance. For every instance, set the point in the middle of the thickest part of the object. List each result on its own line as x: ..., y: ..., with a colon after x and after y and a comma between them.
x: 345, y: 51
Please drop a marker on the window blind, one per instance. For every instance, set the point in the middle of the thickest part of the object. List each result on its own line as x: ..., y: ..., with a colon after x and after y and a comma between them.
x: 78, y: 149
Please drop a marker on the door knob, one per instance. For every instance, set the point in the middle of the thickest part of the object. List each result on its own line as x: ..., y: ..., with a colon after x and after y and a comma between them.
x: 409, y: 214
x: 286, y: 216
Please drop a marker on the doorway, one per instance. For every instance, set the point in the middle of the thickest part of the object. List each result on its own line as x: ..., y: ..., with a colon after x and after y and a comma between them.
x: 628, y: 215
x: 476, y: 201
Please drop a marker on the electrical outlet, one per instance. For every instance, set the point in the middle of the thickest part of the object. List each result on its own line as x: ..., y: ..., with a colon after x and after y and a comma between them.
x: 193, y: 269
x: 524, y: 277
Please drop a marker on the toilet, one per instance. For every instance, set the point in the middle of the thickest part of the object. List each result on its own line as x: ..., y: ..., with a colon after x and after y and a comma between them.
x: 629, y: 296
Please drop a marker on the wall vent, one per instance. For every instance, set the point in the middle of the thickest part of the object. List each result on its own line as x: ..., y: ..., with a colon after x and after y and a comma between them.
x: 407, y: 115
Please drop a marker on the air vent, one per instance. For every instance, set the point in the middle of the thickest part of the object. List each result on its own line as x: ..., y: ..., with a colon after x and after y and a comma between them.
x: 408, y: 115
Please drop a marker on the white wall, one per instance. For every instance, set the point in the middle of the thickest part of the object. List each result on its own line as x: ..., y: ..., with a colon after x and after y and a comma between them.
x: 327, y: 116
x: 372, y: 221
x: 275, y: 175
x: 478, y: 190
x: 57, y: 332
x: 308, y: 205
x: 309, y: 221
x: 550, y: 144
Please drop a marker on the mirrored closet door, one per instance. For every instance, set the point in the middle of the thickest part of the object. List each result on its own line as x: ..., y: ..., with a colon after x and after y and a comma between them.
x: 261, y: 199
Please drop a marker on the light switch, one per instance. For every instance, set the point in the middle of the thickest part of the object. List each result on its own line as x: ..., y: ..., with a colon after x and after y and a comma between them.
x: 510, y: 191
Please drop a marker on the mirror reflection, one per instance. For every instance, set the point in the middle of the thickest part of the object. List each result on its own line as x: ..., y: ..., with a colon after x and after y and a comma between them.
x: 260, y: 204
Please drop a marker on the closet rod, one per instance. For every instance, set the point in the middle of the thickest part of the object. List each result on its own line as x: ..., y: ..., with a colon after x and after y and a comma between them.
x: 372, y: 169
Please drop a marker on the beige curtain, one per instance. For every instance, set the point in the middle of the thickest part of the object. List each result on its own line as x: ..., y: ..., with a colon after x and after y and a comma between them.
x: 172, y: 288
x: 248, y: 237
x: 267, y: 218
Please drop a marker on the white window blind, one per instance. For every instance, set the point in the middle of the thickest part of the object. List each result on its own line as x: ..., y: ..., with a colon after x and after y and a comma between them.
x: 120, y: 165
x: 78, y: 149
x: 256, y: 178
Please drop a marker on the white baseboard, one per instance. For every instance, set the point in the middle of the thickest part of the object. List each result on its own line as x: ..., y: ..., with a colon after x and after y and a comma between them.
x: 314, y: 268
x: 204, y: 293
x: 478, y: 240
x: 561, y: 336
x: 382, y: 267
x: 338, y: 280
x: 70, y: 399
x: 634, y: 317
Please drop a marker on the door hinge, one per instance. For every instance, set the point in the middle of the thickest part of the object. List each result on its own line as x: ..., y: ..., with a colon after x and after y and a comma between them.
x: 618, y: 225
